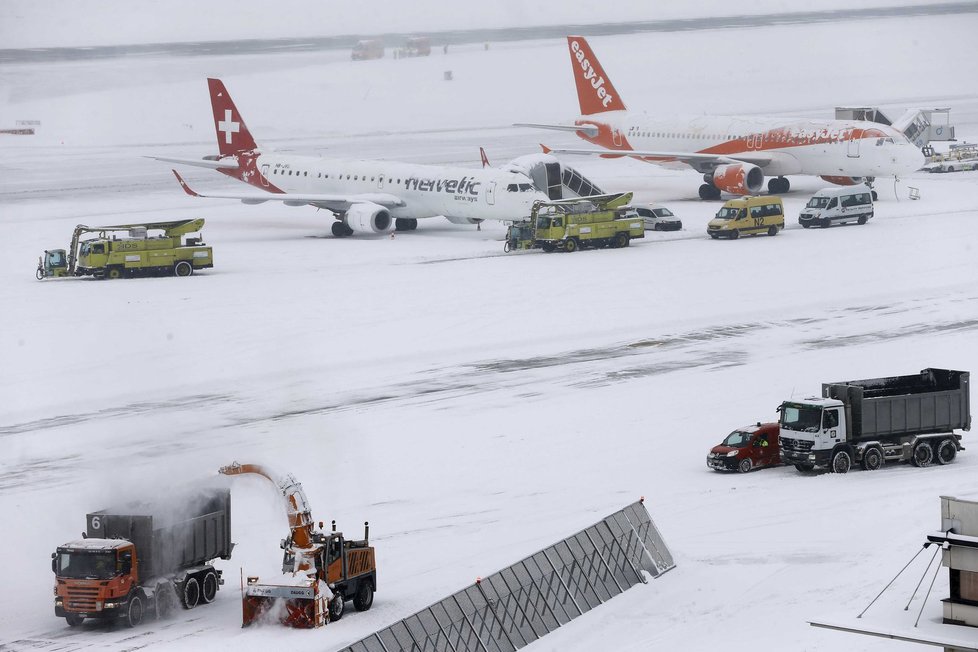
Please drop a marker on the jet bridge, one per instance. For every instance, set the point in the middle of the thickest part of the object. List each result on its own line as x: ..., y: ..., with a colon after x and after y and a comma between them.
x: 558, y: 180
x: 921, y: 126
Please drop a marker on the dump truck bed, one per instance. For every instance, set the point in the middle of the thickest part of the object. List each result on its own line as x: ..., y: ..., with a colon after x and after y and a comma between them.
x: 933, y: 401
x: 184, y: 532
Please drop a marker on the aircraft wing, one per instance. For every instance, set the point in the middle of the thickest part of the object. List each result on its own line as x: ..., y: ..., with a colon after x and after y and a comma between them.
x: 338, y: 203
x: 693, y: 159
x: 590, y: 130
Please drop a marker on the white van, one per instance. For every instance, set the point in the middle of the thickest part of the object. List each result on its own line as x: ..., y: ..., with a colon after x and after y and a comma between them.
x: 838, y: 206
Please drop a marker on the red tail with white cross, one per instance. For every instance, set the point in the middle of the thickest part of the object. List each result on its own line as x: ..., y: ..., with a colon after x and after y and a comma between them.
x: 233, y: 136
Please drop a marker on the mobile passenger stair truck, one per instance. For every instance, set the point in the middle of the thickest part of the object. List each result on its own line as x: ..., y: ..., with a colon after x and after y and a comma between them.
x: 144, y: 558
x: 878, y: 420
x: 140, y: 252
x: 578, y: 223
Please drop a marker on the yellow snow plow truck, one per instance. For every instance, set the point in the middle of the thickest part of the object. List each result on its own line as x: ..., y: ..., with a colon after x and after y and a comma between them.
x: 151, y: 249
x: 581, y: 222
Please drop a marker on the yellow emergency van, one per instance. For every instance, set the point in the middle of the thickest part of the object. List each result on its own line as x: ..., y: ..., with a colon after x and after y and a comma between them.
x: 748, y: 216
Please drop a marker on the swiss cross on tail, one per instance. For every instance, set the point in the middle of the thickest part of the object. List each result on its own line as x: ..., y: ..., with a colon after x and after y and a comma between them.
x: 594, y: 90
x: 233, y: 136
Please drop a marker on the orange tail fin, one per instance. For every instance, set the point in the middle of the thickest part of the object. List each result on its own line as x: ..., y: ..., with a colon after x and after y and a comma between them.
x: 595, y: 92
x: 233, y: 136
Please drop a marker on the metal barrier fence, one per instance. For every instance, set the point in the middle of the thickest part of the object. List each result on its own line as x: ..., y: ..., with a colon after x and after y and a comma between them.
x: 517, y: 605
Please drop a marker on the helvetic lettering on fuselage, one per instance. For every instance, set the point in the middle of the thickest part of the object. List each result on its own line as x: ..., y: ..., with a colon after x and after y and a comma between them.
x: 461, y: 186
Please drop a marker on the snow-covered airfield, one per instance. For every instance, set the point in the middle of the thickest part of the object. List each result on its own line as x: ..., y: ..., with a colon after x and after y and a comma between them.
x: 474, y: 406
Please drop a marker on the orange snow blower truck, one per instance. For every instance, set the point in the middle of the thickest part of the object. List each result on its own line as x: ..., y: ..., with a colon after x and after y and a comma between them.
x: 321, y: 570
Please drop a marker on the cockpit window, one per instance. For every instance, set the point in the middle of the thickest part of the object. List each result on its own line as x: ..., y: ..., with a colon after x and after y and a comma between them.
x: 526, y: 187
x: 512, y: 188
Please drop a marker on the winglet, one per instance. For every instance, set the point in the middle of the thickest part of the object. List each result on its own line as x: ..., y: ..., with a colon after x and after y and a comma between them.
x: 546, y: 150
x: 595, y: 93
x: 485, y: 159
x: 183, y: 184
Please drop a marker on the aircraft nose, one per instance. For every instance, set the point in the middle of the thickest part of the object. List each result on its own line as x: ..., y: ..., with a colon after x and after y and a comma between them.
x: 913, y: 157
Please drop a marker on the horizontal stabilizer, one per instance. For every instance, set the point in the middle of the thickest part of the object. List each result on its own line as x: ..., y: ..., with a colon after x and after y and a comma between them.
x: 588, y: 129
x: 199, y: 162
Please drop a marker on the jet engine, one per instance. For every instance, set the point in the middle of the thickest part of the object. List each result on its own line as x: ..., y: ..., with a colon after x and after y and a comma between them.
x: 845, y: 181
x: 737, y: 178
x: 369, y: 218
x: 463, y: 220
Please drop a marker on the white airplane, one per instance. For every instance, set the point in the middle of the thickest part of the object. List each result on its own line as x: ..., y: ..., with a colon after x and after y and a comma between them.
x: 368, y: 196
x: 734, y: 154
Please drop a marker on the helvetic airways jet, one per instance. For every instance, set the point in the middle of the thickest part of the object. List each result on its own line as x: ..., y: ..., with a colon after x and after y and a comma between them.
x: 364, y: 196
x: 734, y: 154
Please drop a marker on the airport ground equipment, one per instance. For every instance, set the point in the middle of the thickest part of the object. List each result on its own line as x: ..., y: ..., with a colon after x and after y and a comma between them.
x: 321, y: 570
x: 921, y: 126
x: 878, y: 420
x: 578, y: 223
x: 511, y: 608
x: 838, y: 205
x: 144, y: 559
x: 959, y: 158
x: 757, y: 215
x: 745, y: 449
x: 140, y: 252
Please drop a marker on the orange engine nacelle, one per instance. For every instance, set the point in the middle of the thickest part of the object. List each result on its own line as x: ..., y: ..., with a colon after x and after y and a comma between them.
x: 844, y: 181
x: 738, y: 178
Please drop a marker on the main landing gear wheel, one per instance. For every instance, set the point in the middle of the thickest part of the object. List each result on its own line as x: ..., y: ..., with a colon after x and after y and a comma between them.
x: 708, y: 191
x: 778, y: 185
x: 405, y: 224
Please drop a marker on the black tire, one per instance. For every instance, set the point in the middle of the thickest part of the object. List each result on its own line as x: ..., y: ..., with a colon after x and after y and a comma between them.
x: 826, y: 223
x: 164, y: 600
x: 364, y: 599
x: 39, y: 273
x: 950, y: 168
x: 804, y: 467
x: 183, y: 268
x: 337, y: 606
x: 714, y: 236
x: 745, y: 465
x: 570, y: 245
x: 945, y: 451
x: 338, y: 229
x: 841, y: 462
x: 873, y: 459
x: 113, y: 273
x: 548, y: 247
x: 734, y: 234
x: 190, y: 595
x: 621, y: 240
x: 208, y: 587
x: 773, y: 186
x: 874, y: 195
x: 74, y: 620
x: 923, y: 454
x: 862, y: 219
x: 805, y: 225
x: 773, y: 230
x: 134, y: 612
x: 706, y: 191
x: 655, y: 227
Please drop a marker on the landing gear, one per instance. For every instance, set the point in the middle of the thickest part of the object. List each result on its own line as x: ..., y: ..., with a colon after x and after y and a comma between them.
x: 341, y: 230
x: 709, y: 191
x: 405, y: 224
x: 778, y: 186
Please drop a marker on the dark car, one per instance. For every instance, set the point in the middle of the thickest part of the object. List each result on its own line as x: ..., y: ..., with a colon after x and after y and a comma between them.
x: 747, y: 448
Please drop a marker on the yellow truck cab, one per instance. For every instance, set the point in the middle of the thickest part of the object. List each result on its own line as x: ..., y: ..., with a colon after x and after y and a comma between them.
x: 748, y: 216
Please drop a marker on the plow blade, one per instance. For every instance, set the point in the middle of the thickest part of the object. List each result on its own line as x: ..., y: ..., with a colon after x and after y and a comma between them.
x: 293, y: 606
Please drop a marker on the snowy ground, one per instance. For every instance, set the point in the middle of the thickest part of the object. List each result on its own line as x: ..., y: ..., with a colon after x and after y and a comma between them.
x: 474, y: 406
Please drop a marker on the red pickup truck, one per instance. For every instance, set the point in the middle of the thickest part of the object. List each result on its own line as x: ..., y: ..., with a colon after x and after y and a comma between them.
x: 744, y: 449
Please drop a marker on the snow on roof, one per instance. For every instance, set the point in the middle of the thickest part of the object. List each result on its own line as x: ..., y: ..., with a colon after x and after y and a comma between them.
x: 95, y: 544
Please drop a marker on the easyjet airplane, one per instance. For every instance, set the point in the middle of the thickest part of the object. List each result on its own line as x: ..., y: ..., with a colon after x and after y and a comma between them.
x: 364, y: 196
x: 734, y: 154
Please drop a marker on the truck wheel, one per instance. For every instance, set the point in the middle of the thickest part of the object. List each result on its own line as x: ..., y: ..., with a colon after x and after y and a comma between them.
x: 841, y: 462
x: 134, y: 613
x: 621, y: 240
x: 113, y: 273
x: 804, y: 467
x: 191, y: 593
x: 209, y: 587
x: 946, y: 451
x: 570, y: 246
x: 873, y: 459
x: 923, y: 454
x: 364, y: 599
x: 183, y: 268
x: 772, y: 230
x: 336, y: 607
x: 548, y: 247
x: 745, y: 465
x: 74, y: 620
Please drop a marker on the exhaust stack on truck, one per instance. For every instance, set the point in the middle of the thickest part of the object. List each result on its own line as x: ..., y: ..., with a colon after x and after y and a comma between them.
x: 878, y: 420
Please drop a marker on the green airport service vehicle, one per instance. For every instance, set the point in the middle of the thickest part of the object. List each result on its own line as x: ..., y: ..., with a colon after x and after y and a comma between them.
x: 136, y: 253
x: 572, y: 224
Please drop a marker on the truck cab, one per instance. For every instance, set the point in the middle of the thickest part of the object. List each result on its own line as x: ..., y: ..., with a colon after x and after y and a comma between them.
x: 53, y: 263
x: 809, y: 431
x: 93, y: 578
x: 745, y: 449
